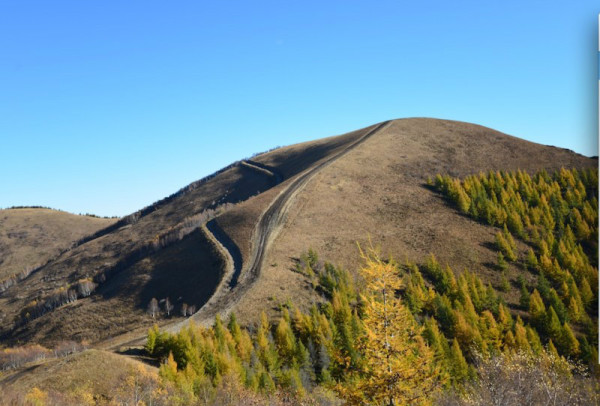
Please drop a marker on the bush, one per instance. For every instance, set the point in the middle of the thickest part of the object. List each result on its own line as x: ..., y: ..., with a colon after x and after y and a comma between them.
x: 525, y: 379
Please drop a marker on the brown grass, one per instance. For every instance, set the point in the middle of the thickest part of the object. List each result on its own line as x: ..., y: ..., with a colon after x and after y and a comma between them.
x: 104, y: 315
x: 30, y: 237
x: 95, y: 372
x: 378, y: 190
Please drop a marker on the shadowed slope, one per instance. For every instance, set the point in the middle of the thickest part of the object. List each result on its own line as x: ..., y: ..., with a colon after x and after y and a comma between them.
x: 106, y: 252
x: 118, y: 251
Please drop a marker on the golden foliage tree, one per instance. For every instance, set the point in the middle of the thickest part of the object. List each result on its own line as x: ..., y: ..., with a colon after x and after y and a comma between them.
x: 398, y: 365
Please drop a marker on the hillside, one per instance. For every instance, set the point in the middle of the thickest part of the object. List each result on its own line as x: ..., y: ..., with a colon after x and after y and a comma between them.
x: 324, y: 194
x: 31, y: 236
x: 89, y: 377
x: 121, y: 259
x: 379, y: 190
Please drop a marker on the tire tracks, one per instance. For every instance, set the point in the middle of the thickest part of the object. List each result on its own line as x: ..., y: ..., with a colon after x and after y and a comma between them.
x: 237, y: 278
x: 266, y: 230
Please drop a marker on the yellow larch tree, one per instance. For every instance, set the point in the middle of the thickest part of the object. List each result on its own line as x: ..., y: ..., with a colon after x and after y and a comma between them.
x: 398, y: 365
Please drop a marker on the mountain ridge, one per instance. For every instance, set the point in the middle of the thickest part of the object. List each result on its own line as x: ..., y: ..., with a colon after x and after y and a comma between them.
x: 424, y: 153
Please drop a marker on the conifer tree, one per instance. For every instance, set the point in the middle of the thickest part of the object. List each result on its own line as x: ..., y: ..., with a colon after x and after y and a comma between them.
x: 586, y: 292
x: 552, y: 349
x: 502, y: 264
x: 568, y: 343
x: 435, y: 338
x: 553, y: 327
x: 524, y: 297
x: 458, y: 365
x: 574, y: 310
x: 399, y: 366
x: 521, y: 340
x: 534, y: 340
x: 168, y: 370
x: 285, y: 341
x: 537, y: 310
x: 151, y: 339
x: 532, y: 262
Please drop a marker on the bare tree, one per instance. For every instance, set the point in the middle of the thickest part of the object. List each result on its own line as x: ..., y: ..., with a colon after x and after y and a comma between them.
x: 72, y: 295
x: 184, y: 308
x: 191, y: 310
x: 85, y: 287
x: 153, y: 307
x: 168, y: 307
x: 523, y: 379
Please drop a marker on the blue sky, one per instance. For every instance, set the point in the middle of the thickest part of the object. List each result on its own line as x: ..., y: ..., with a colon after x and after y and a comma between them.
x: 107, y: 106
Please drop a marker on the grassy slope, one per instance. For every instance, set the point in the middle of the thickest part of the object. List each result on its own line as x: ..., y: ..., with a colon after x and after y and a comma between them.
x: 29, y: 237
x: 95, y: 372
x: 379, y: 190
x: 289, y: 161
x: 231, y: 185
x: 376, y: 189
x: 106, y: 314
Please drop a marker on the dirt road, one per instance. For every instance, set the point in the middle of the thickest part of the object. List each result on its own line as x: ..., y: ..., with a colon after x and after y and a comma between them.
x: 267, y: 228
x: 238, y: 279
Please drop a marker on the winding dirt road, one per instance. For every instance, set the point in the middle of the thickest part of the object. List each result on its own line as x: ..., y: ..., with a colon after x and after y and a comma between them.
x: 228, y: 294
x: 238, y: 279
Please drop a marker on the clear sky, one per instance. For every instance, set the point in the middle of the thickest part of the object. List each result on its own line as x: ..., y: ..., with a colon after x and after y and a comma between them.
x: 107, y: 106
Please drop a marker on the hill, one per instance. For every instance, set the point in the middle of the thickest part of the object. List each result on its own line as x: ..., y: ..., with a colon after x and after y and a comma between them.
x: 31, y: 236
x: 89, y: 377
x: 379, y: 190
x: 240, y: 231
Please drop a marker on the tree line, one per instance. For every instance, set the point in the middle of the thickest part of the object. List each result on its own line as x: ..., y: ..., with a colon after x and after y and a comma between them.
x: 397, y: 336
x: 557, y: 217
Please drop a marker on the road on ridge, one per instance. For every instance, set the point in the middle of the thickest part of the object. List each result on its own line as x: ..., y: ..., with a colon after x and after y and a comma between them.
x: 227, y: 295
x: 238, y: 279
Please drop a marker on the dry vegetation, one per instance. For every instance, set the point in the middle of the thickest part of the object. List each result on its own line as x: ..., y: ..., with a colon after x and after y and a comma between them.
x: 379, y: 189
x: 89, y: 377
x: 117, y: 247
x: 31, y: 236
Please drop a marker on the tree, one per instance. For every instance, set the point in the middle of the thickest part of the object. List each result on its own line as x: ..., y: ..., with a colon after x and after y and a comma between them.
x: 502, y: 264
x: 458, y: 365
x: 153, y: 307
x: 531, y: 261
x: 553, y: 327
x: 168, y: 307
x: 85, y: 287
x: 504, y: 246
x: 524, y: 298
x: 191, y: 310
x: 184, y: 309
x: 151, y: 340
x: 522, y: 378
x: 568, y: 343
x: 398, y: 365
x: 537, y: 310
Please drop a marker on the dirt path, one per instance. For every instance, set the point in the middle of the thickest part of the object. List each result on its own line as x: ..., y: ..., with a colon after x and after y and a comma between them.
x: 266, y: 230
x: 238, y: 279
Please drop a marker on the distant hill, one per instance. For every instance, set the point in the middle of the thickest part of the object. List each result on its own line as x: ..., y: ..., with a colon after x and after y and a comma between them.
x: 31, y: 236
x: 240, y: 231
x: 100, y: 375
